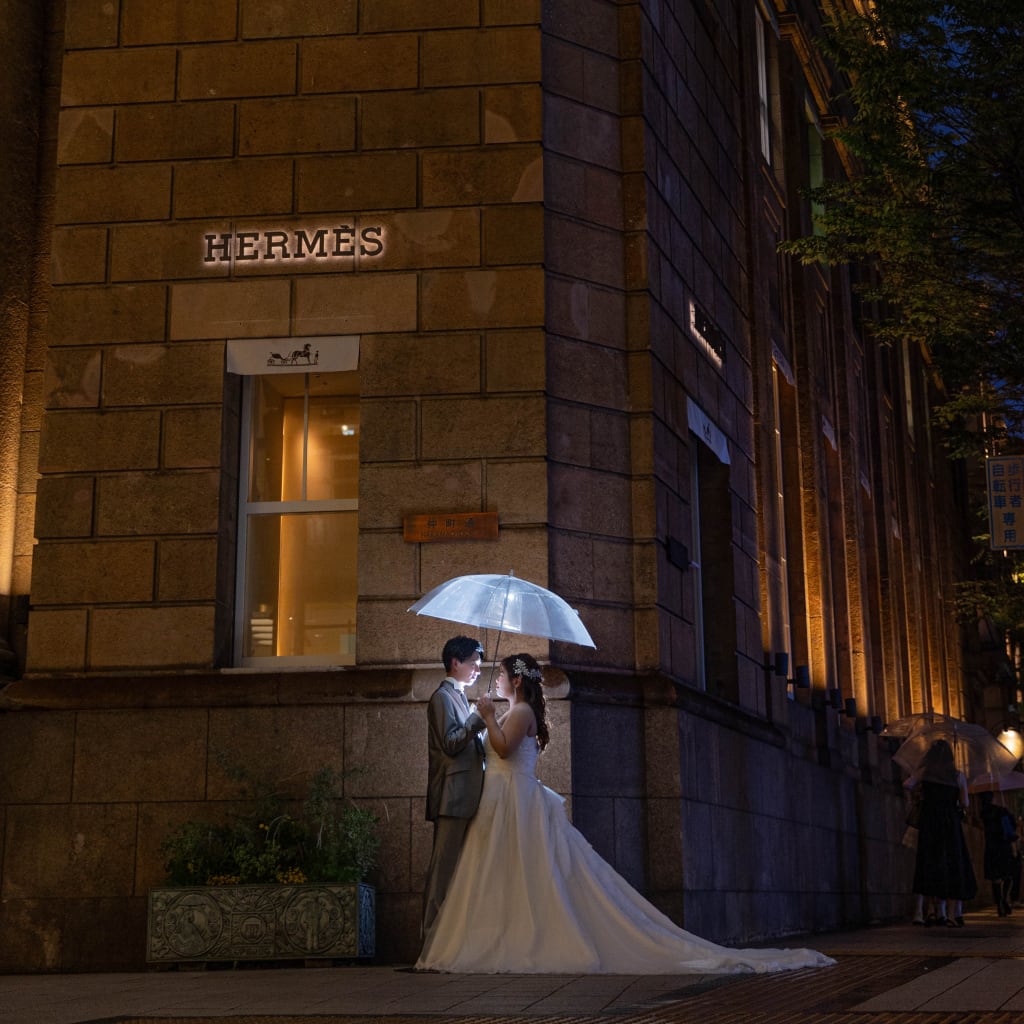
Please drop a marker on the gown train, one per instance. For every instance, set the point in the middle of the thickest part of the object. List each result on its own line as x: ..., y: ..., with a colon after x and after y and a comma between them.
x: 530, y: 895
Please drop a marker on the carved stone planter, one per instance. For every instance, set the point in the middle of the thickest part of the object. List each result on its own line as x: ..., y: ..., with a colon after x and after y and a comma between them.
x: 260, y: 922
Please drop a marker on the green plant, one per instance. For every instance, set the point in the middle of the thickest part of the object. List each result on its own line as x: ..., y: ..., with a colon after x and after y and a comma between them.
x: 331, y: 841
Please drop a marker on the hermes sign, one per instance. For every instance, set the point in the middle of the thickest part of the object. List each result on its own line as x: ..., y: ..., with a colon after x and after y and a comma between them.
x: 342, y: 241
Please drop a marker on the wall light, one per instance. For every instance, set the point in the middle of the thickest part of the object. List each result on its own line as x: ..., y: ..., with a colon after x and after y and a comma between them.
x: 1013, y: 741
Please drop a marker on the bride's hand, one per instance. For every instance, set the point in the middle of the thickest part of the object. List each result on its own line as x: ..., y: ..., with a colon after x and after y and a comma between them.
x: 485, y: 707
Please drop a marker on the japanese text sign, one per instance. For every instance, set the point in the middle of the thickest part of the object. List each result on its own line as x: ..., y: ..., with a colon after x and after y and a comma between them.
x: 1005, y: 475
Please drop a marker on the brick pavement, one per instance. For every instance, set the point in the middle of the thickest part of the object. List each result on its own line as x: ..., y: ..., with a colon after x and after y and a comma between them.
x: 895, y: 974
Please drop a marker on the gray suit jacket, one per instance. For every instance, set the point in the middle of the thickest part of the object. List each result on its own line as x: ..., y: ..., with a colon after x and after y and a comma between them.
x: 456, y: 755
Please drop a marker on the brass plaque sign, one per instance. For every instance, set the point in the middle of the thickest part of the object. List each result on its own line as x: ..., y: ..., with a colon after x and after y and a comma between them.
x: 451, y: 526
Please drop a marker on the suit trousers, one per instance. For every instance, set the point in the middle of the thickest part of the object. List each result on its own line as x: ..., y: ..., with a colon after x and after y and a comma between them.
x: 448, y: 836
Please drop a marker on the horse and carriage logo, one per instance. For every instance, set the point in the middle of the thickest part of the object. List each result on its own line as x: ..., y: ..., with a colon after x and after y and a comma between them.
x: 297, y: 357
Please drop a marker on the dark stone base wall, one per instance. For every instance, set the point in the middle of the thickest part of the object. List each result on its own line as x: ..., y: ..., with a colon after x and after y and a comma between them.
x: 95, y: 772
x: 731, y: 825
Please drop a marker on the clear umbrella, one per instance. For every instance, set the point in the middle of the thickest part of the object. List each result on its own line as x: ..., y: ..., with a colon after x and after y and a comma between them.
x: 977, y: 753
x: 507, y: 604
x: 997, y: 783
x: 910, y: 723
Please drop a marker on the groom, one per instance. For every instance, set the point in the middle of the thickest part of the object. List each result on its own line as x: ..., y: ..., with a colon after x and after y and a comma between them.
x: 456, y: 767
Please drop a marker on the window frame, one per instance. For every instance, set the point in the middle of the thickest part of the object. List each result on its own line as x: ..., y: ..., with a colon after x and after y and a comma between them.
x: 247, y: 508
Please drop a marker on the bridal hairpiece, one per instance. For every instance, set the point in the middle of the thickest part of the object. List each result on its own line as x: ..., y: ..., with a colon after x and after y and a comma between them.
x: 519, y: 668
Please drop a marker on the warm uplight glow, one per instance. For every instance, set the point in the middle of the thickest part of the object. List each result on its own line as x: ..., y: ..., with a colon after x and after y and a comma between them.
x: 1012, y: 740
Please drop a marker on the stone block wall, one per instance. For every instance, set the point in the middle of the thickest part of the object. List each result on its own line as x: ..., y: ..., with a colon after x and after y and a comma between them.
x: 90, y: 791
x: 178, y: 123
x: 598, y: 511
x: 692, y: 183
x: 557, y: 182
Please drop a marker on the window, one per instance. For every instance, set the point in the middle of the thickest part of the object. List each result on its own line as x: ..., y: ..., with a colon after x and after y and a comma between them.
x: 815, y: 165
x: 764, y: 109
x: 777, y: 557
x: 298, y: 520
x: 714, y: 619
x: 766, y: 74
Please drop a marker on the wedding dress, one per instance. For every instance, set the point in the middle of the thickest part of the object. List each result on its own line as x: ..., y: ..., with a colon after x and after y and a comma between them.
x: 530, y: 895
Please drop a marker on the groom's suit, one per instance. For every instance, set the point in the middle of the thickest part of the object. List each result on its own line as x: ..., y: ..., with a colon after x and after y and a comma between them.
x: 454, y: 784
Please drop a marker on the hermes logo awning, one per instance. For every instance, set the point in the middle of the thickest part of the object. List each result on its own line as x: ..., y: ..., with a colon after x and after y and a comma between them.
x: 249, y: 356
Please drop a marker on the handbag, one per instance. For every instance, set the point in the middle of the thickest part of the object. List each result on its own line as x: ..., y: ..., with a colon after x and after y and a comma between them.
x: 1009, y: 829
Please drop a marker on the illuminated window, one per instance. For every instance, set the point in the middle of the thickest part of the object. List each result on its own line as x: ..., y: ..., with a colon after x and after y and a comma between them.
x: 298, y: 520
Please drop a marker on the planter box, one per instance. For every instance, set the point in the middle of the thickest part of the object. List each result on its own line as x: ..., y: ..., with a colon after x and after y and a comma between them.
x: 260, y: 922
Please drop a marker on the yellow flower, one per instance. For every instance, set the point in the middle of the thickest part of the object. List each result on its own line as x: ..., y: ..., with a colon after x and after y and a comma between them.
x: 223, y: 880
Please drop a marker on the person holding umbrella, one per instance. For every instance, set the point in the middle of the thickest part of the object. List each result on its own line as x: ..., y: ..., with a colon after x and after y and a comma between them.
x: 455, y: 774
x: 530, y: 895
x: 942, y: 868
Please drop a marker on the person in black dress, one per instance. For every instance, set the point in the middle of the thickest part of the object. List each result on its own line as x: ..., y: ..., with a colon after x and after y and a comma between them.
x: 942, y: 869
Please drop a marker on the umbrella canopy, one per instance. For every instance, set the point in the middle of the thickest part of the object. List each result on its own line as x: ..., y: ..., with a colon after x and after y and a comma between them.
x: 997, y: 783
x: 910, y: 723
x: 977, y: 753
x: 507, y: 604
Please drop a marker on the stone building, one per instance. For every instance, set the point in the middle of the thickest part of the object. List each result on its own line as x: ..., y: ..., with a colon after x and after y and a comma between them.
x: 285, y: 282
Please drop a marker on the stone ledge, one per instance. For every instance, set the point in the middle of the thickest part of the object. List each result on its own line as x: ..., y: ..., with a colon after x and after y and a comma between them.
x: 207, y: 689
x: 235, y: 688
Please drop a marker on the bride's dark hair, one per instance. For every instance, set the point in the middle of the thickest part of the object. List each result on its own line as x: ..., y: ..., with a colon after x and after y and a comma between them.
x: 525, y: 666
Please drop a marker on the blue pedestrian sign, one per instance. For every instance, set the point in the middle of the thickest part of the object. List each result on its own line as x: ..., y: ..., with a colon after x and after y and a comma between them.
x: 1005, y: 474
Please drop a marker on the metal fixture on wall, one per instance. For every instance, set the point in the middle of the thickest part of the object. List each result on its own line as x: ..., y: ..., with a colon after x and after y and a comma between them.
x: 678, y: 553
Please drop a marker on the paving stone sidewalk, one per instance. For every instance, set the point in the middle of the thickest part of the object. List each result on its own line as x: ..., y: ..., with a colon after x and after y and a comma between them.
x: 896, y: 974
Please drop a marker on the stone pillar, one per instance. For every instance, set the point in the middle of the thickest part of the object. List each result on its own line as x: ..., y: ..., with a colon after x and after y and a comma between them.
x: 21, y: 101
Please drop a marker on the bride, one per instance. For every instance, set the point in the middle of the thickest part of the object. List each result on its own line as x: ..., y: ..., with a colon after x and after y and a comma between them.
x: 531, y: 896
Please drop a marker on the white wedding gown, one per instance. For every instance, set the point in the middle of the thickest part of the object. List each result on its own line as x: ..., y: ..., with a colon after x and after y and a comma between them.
x: 531, y: 896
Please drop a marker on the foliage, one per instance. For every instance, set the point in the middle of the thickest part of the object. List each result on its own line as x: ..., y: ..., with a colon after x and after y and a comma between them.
x: 992, y: 601
x: 332, y: 841
x: 934, y: 214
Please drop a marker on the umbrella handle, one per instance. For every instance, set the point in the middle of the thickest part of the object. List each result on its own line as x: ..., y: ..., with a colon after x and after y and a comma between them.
x: 497, y: 644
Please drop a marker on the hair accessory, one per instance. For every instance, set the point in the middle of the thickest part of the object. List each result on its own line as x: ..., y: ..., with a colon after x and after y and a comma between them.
x: 519, y: 668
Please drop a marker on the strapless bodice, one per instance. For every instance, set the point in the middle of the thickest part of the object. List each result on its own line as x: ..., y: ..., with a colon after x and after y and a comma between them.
x: 522, y: 761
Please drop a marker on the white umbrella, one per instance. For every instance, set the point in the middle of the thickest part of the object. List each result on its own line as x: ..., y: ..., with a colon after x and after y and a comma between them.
x: 507, y: 604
